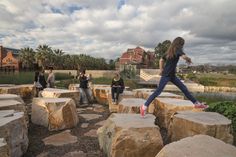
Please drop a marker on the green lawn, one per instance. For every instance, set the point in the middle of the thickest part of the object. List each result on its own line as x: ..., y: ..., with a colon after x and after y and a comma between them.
x: 25, y: 77
x: 214, y: 79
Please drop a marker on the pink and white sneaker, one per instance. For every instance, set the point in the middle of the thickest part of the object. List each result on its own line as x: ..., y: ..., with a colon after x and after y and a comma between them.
x: 201, y: 105
x: 142, y: 111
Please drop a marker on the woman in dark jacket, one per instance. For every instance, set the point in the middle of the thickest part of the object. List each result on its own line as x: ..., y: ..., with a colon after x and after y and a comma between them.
x: 39, y: 81
x: 117, y: 87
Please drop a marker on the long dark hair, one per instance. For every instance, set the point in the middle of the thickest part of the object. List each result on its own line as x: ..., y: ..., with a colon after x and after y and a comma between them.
x: 177, y: 43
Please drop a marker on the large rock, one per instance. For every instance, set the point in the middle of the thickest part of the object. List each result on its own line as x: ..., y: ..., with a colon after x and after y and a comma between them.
x: 165, y: 108
x: 113, y: 107
x: 13, y: 129
x: 138, y: 93
x: 73, y: 87
x: 54, y: 113
x: 25, y: 91
x: 61, y: 93
x: 128, y: 135
x: 60, y: 139
x: 193, y: 87
x: 11, y: 97
x: 151, y: 107
x: 188, y: 123
x: 198, y: 146
x: 15, y: 104
x: 3, y: 148
x: 146, y: 95
x: 101, y: 93
x: 130, y: 105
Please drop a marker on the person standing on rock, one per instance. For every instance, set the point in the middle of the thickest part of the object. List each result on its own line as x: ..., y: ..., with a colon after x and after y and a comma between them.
x: 84, y: 90
x: 51, y: 78
x: 168, y: 73
x: 39, y: 81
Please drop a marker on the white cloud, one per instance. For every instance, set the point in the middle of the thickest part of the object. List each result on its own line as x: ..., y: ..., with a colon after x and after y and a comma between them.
x: 100, y: 29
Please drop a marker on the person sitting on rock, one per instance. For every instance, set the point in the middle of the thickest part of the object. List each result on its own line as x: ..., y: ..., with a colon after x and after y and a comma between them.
x: 117, y: 87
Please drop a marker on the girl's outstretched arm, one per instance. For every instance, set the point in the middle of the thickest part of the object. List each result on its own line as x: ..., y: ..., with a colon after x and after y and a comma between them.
x: 187, y: 59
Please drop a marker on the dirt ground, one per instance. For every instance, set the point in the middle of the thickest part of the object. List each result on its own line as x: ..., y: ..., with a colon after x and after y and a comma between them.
x: 88, y: 145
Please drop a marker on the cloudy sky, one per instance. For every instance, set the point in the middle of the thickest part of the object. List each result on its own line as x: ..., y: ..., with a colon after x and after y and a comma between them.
x: 106, y: 28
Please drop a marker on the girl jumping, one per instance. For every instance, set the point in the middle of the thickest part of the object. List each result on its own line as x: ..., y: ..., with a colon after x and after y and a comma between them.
x: 168, y: 72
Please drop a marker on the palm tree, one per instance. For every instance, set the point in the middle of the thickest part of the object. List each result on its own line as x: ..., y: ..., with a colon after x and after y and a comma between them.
x: 44, y: 55
x: 58, y: 58
x: 26, y: 57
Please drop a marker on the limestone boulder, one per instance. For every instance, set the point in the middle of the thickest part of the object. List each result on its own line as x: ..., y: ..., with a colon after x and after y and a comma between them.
x: 25, y: 91
x: 128, y: 135
x: 16, y: 104
x: 13, y: 129
x: 3, y: 148
x: 198, y: 146
x: 61, y: 93
x: 138, y: 93
x: 113, y: 107
x: 165, y: 108
x: 11, y: 97
x: 130, y: 105
x: 146, y: 95
x: 54, y: 113
x: 74, y: 87
x: 188, y: 123
x: 101, y: 93
x: 151, y: 107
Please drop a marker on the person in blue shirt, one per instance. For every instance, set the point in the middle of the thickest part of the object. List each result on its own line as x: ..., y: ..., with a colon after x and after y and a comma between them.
x: 168, y: 73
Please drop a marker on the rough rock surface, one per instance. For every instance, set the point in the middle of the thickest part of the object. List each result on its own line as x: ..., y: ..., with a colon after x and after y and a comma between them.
x: 187, y: 123
x: 54, y: 113
x: 25, y: 91
x: 138, y: 93
x: 16, y: 104
x: 113, y: 107
x: 198, y: 146
x: 60, y: 139
x: 11, y: 97
x: 165, y: 108
x: 130, y: 105
x: 3, y: 148
x: 128, y: 135
x: 100, y: 93
x: 61, y: 93
x: 13, y: 128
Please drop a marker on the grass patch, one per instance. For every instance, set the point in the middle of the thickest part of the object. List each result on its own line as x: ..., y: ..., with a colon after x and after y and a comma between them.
x: 226, y: 108
x: 26, y: 77
x: 102, y: 80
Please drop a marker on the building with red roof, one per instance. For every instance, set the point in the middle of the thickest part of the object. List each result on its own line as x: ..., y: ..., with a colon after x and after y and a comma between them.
x: 136, y: 58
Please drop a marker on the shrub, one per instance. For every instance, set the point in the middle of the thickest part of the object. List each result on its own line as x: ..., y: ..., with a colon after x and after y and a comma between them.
x: 226, y: 108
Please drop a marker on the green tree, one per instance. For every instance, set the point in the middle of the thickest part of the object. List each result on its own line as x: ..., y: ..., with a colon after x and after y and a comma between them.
x: 160, y: 50
x: 26, y: 57
x: 44, y: 56
x: 58, y: 60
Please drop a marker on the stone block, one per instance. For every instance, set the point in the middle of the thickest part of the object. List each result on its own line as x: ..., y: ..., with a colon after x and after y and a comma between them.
x: 128, y: 135
x: 11, y: 97
x: 101, y: 93
x: 54, y: 113
x: 13, y: 129
x: 130, y: 105
x: 188, y: 123
x: 3, y: 148
x: 138, y: 93
x: 61, y: 93
x: 198, y: 146
x: 165, y: 108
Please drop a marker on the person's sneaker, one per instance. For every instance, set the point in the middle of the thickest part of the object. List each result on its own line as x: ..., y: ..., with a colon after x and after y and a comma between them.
x: 200, y: 105
x: 142, y: 111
